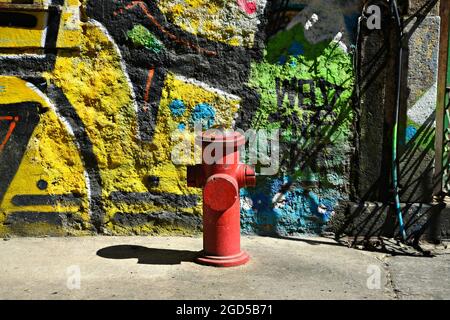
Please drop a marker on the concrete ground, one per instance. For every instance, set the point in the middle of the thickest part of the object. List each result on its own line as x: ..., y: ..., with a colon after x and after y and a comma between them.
x: 162, y: 268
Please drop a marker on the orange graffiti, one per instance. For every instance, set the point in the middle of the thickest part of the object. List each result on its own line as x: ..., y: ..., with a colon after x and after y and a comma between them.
x: 12, y: 126
x: 151, y: 73
x: 163, y: 30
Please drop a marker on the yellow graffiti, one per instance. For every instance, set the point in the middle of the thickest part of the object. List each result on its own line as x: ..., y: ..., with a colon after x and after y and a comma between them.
x: 193, y: 94
x: 70, y: 31
x: 14, y: 37
x: 51, y: 155
x: 207, y: 19
x: 97, y: 87
x: 95, y: 83
x: 32, y: 35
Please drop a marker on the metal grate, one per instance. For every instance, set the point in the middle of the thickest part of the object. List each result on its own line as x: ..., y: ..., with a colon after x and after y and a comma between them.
x: 442, y: 164
x: 446, y: 149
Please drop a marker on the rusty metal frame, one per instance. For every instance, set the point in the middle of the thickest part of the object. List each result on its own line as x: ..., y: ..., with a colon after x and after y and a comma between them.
x: 441, y: 109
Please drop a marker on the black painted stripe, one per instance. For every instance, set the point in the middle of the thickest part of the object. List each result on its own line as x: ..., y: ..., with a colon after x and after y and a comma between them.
x: 22, y: 1
x: 27, y: 65
x: 36, y: 65
x: 158, y: 218
x: 12, y: 155
x: 174, y: 200
x: 17, y: 20
x: 54, y: 19
x: 58, y: 2
x: 85, y: 147
x: 54, y: 218
x: 51, y: 200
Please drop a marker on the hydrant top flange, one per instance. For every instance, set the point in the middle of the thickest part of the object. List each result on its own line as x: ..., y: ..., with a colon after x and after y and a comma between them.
x: 222, y: 137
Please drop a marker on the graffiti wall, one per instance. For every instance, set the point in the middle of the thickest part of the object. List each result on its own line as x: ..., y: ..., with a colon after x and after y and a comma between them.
x: 95, y: 95
x: 305, y: 84
x: 419, y: 140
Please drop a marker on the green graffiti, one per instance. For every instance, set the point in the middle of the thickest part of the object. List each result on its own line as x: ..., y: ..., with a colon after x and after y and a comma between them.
x: 325, y: 82
x: 141, y: 37
x: 305, y: 91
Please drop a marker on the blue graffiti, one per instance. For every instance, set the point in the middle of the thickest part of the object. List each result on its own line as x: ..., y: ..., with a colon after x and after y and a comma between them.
x: 182, y: 126
x: 296, y: 49
x: 294, y: 211
x: 410, y: 133
x: 205, y: 114
x: 177, y: 108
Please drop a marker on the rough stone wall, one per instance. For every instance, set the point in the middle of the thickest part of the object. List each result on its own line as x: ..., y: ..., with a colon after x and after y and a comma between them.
x: 417, y: 129
x: 418, y: 143
x: 95, y: 95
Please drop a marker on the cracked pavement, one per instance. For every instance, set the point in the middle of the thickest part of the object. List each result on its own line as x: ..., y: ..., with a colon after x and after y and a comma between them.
x: 161, y: 268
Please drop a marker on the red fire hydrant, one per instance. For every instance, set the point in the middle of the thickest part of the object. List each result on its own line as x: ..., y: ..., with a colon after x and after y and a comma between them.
x: 221, y: 175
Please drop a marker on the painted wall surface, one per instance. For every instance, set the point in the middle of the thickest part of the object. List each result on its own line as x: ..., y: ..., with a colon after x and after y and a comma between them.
x: 90, y: 107
x: 419, y: 141
x: 305, y: 82
x: 96, y: 94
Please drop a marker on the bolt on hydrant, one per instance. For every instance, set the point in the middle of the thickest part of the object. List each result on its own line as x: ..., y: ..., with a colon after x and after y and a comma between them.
x: 221, y: 175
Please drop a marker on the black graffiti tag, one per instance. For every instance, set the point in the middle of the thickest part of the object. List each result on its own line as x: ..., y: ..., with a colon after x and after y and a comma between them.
x: 302, y: 93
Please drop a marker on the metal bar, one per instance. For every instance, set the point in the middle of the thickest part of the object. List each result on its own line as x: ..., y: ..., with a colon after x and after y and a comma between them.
x: 440, y: 109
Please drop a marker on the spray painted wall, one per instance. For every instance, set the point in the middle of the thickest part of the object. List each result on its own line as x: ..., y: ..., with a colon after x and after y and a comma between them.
x: 94, y: 96
x: 305, y: 83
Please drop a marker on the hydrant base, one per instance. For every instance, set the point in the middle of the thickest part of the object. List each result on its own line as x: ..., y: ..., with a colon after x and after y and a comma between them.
x: 220, y: 261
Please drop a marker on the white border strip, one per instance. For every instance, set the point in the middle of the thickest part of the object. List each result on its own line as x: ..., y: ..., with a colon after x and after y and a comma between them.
x: 207, y: 87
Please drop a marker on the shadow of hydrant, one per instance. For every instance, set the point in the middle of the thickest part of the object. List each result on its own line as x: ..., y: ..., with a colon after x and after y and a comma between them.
x: 148, y: 255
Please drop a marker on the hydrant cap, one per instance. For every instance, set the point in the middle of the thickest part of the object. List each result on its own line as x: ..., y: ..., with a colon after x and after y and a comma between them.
x: 223, y: 137
x: 220, y: 192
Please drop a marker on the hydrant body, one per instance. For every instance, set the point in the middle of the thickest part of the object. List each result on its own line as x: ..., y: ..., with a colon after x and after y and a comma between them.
x: 221, y: 175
